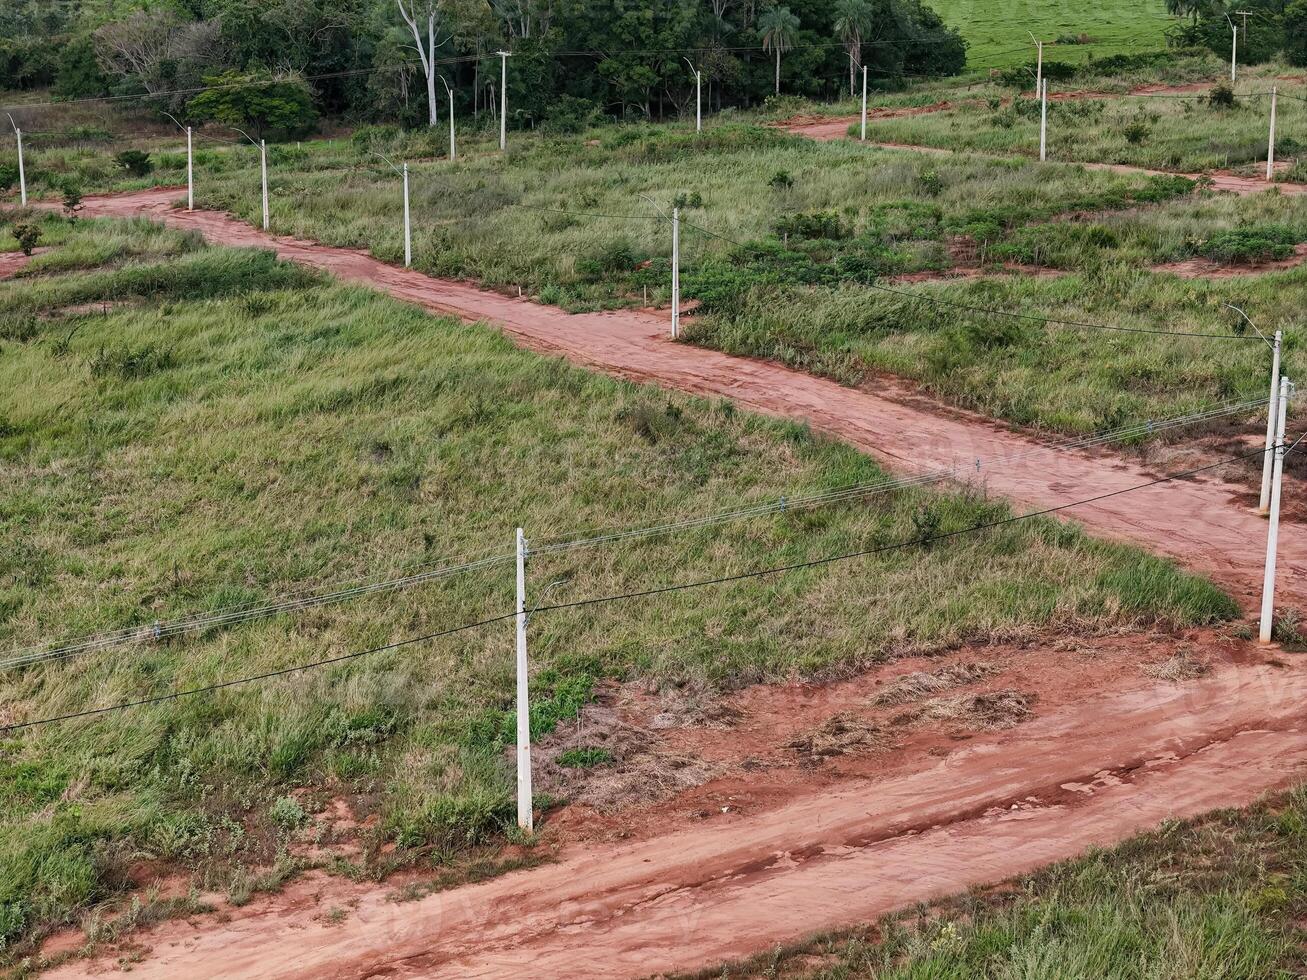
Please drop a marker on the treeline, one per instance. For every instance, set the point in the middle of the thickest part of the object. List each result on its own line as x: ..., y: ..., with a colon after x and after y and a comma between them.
x: 373, y: 60
x: 1267, y: 28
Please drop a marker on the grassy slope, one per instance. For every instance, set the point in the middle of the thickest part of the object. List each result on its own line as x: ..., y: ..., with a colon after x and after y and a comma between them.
x: 1222, y: 896
x: 994, y: 28
x: 242, y: 427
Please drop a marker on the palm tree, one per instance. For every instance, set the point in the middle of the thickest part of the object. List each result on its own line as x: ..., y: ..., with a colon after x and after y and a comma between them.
x: 852, y: 21
x: 780, y: 29
x: 1195, y: 10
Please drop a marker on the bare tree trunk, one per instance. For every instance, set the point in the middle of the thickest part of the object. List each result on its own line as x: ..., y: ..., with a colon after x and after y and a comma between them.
x: 433, y: 114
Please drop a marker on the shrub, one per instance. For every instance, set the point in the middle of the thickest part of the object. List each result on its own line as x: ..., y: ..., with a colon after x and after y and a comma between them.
x: 135, y: 162
x: 685, y: 201
x: 1221, y: 97
x: 930, y: 182
x: 72, y: 199
x: 569, y: 114
x: 812, y: 225
x: 27, y: 236
x: 286, y: 813
x: 781, y: 181
x: 1136, y: 132
x: 1259, y: 243
x: 366, y: 137
x: 8, y: 176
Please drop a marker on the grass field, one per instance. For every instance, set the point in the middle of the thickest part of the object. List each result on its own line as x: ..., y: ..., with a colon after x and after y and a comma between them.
x: 186, y: 428
x: 1221, y: 896
x: 996, y: 36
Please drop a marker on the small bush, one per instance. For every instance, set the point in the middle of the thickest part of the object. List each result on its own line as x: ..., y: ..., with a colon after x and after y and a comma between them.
x: 72, y: 198
x: 930, y: 182
x: 1221, y: 97
x: 1259, y: 243
x: 27, y: 236
x: 811, y: 225
x: 135, y: 162
x: 286, y: 813
x: 8, y: 177
x: 688, y: 201
x: 366, y: 137
x: 1136, y: 132
x: 781, y: 181
x: 569, y: 114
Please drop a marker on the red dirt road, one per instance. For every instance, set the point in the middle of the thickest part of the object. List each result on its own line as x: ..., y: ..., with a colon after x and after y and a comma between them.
x: 826, y: 130
x: 1201, y: 522
x: 1089, y: 774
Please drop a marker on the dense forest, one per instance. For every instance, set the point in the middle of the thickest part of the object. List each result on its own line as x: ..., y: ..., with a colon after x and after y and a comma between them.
x: 398, y: 60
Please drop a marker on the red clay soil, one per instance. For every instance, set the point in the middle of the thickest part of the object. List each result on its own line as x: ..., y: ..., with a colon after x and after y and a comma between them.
x: 1203, y: 522
x: 823, y: 853
x: 11, y: 262
x: 1091, y: 772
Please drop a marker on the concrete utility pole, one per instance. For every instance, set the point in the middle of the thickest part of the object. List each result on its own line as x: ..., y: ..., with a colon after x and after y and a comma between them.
x: 408, y: 228
x: 1039, y: 63
x: 676, y: 273
x: 22, y: 173
x: 1043, y: 121
x: 190, y: 171
x: 1273, y: 532
x: 525, y: 817
x: 698, y: 96
x: 864, y: 103
x: 1272, y: 414
x: 453, y: 149
x: 263, y: 166
x: 503, y: 100
x: 1270, y: 147
x: 1234, y: 47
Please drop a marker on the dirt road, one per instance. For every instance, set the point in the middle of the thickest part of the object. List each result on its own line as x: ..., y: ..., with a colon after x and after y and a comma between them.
x: 827, y: 130
x: 1204, y: 523
x: 1090, y: 774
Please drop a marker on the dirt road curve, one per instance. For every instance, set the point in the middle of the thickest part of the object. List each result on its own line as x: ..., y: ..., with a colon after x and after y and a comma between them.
x: 1201, y: 522
x: 827, y: 130
x: 1090, y: 774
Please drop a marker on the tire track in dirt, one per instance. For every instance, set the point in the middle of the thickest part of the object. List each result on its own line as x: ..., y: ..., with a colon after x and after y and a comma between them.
x: 1202, y: 522
x: 1087, y: 775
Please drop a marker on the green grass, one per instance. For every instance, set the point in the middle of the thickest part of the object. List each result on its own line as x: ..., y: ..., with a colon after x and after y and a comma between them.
x: 994, y: 28
x: 184, y: 453
x: 1221, y: 896
x: 802, y: 296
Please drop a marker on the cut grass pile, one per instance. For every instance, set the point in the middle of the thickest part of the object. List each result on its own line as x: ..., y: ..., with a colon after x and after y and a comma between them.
x: 1220, y: 896
x: 248, y: 428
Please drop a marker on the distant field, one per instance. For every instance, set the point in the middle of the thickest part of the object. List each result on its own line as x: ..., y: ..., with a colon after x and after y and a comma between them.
x: 995, y: 28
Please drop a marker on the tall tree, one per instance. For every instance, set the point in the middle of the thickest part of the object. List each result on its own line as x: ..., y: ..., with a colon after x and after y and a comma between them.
x: 780, y: 32
x: 853, y: 21
x: 435, y: 25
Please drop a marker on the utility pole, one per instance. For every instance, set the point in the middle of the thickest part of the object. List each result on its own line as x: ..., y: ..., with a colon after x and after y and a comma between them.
x: 1043, y: 120
x: 1272, y: 415
x: 676, y: 273
x: 1273, y: 532
x: 1270, y: 147
x: 190, y: 172
x: 22, y: 173
x: 1234, y: 47
x: 263, y: 166
x: 1039, y: 64
x: 408, y: 228
x: 864, y: 103
x: 698, y: 96
x: 525, y: 817
x: 503, y: 100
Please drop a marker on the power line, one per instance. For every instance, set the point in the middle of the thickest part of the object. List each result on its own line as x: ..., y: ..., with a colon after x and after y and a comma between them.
x: 303, y: 599
x: 645, y: 593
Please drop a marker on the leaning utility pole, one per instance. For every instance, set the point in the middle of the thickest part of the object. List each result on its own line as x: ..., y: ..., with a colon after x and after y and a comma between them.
x: 1273, y: 531
x: 22, y: 174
